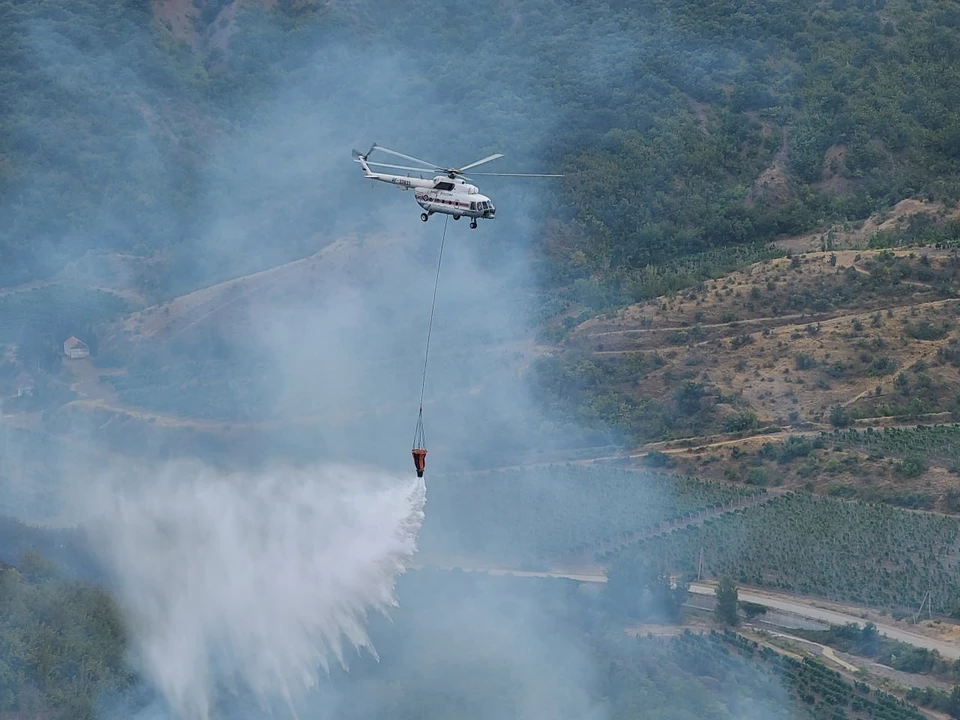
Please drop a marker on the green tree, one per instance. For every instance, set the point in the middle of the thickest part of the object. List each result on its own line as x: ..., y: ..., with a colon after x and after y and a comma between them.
x: 727, y: 602
x: 913, y: 465
x: 869, y: 640
x: 688, y: 397
x: 638, y: 591
x: 839, y: 417
x: 953, y: 706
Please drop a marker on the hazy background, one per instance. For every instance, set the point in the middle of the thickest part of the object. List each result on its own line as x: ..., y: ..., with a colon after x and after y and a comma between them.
x: 240, y: 585
x: 256, y: 582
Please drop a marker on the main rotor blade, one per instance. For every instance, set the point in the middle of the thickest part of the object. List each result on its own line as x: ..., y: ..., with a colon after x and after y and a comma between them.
x: 516, y: 174
x: 407, y: 157
x: 400, y: 167
x: 481, y: 162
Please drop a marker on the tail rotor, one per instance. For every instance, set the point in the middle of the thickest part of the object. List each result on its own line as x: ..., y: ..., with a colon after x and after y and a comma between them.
x: 358, y: 157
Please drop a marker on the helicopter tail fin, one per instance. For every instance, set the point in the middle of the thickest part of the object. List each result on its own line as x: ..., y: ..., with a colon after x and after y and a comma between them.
x: 362, y: 159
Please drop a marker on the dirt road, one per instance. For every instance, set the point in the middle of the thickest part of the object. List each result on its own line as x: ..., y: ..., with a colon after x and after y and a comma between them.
x: 776, y: 601
x: 786, y: 603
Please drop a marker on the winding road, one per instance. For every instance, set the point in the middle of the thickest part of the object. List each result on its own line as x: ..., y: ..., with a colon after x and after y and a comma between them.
x: 786, y: 604
x: 774, y: 601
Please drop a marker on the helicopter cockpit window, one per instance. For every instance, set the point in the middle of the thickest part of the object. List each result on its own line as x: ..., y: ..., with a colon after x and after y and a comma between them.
x: 444, y: 186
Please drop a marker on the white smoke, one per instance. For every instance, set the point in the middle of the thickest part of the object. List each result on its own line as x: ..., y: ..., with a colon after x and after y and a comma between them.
x: 253, y: 581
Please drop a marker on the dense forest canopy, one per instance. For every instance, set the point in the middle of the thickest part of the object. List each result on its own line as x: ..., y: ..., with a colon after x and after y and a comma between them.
x: 681, y: 126
x: 63, y: 644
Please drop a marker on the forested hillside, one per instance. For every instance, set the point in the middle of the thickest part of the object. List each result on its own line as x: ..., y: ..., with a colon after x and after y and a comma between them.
x: 681, y: 127
x: 167, y: 146
x: 96, y: 153
x: 63, y: 643
x: 763, y: 119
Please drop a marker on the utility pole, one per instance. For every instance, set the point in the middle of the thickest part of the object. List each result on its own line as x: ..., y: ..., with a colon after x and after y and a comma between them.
x: 920, y: 609
x: 700, y: 565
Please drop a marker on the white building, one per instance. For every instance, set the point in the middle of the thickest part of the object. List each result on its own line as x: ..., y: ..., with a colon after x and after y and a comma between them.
x: 75, y: 348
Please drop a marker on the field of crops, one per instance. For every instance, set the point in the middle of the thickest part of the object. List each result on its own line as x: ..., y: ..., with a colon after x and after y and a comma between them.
x: 937, y: 443
x: 545, y: 513
x: 822, y: 690
x: 758, y: 682
x: 871, y: 554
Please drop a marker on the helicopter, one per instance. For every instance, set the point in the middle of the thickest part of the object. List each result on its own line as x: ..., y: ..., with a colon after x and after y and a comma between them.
x: 448, y: 193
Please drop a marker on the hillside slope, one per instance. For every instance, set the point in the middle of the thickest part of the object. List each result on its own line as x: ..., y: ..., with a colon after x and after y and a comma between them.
x: 745, y: 377
x: 689, y: 137
x: 686, y: 129
x: 800, y: 344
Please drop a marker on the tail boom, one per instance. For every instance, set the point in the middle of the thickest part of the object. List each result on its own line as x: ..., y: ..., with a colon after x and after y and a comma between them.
x: 403, y: 181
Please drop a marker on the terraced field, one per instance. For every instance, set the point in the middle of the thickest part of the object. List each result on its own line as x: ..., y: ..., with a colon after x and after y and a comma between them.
x: 868, y: 554
x: 544, y: 514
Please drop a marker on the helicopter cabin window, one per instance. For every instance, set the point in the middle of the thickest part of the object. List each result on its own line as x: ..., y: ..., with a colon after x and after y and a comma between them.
x: 443, y: 186
x: 473, y: 206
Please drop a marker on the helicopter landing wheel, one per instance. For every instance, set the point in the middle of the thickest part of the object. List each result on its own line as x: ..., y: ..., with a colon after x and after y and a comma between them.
x: 473, y: 224
x: 456, y: 217
x: 424, y: 217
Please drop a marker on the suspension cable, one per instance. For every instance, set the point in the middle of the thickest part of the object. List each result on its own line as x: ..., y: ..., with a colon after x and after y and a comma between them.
x: 418, y: 440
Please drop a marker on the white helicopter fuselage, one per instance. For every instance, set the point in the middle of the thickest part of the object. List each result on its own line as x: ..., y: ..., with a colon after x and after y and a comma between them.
x: 441, y: 194
x: 461, y: 199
